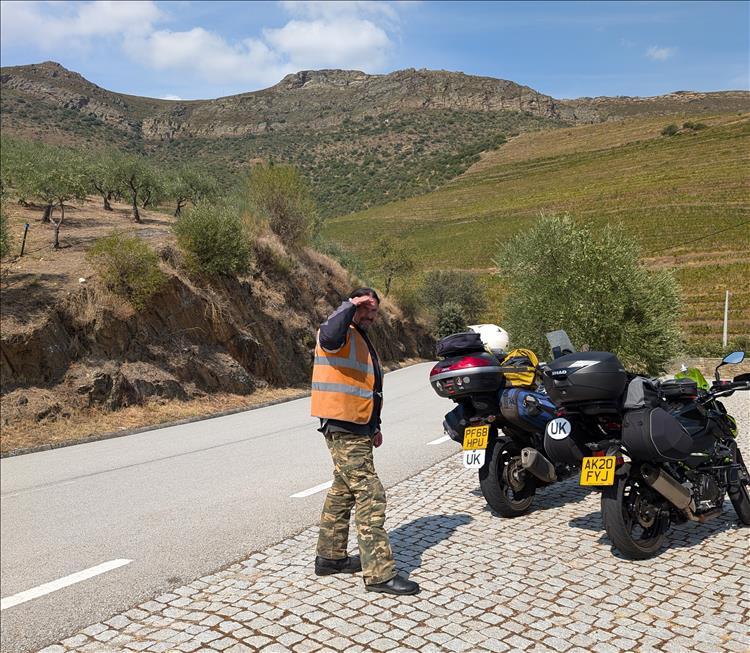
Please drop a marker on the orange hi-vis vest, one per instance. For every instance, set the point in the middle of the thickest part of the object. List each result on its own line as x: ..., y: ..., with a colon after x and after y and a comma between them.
x: 343, y: 381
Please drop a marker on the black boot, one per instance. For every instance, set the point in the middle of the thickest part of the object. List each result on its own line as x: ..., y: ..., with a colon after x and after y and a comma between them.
x: 397, y: 585
x: 326, y: 566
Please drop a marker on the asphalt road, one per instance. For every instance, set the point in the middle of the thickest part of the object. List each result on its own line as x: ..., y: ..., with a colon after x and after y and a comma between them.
x: 178, y: 502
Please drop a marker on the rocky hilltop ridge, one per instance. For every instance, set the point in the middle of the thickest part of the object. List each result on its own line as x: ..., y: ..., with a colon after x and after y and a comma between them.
x: 313, y: 99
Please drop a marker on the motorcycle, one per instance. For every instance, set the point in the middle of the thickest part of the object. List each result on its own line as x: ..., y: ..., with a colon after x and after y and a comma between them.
x: 499, y: 420
x: 661, y: 452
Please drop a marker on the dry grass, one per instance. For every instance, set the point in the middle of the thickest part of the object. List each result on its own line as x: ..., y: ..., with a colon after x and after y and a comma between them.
x: 94, y: 422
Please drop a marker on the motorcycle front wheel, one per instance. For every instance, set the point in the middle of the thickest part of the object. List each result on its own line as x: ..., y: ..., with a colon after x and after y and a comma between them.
x: 634, y: 517
x: 506, y: 486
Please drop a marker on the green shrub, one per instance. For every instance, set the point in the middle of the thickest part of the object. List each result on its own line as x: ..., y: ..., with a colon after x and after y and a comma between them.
x: 449, y: 319
x: 127, y: 266
x: 454, y: 287
x: 5, y: 236
x: 564, y: 277
x: 411, y: 302
x: 214, y: 239
x: 279, y: 194
x: 694, y: 126
x: 670, y: 130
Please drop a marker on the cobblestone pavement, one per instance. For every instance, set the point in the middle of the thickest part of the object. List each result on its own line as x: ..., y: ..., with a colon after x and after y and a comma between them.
x: 547, y: 581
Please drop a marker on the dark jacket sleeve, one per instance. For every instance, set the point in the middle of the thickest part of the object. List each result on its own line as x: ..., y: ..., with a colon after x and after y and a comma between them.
x: 334, y: 330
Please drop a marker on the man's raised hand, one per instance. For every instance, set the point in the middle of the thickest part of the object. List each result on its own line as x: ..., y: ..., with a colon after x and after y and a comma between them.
x: 363, y: 300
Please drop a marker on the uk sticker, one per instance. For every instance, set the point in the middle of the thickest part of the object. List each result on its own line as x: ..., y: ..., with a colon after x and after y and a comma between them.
x: 559, y: 428
x: 474, y: 458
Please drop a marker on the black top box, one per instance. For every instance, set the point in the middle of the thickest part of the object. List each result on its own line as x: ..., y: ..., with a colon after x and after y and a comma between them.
x: 592, y: 376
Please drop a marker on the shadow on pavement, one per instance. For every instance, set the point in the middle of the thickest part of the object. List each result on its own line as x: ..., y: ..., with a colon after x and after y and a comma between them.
x: 411, y: 540
x: 679, y: 536
x: 552, y: 496
x: 560, y: 494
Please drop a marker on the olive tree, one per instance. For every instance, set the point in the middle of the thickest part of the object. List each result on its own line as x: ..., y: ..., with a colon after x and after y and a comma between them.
x: 137, y: 180
x: 563, y: 275
x: 102, y: 176
x: 68, y: 182
x: 51, y: 176
x: 190, y: 184
x: 393, y: 260
x: 29, y: 168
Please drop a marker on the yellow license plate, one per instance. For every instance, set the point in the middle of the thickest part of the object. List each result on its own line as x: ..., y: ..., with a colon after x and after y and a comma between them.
x: 598, y: 470
x: 475, y: 437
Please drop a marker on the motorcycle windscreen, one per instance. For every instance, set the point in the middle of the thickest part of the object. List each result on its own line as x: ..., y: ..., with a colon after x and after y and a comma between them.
x: 653, y: 435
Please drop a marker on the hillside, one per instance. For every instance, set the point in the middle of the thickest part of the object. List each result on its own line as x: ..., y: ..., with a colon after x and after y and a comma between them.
x: 361, y: 140
x: 684, y: 197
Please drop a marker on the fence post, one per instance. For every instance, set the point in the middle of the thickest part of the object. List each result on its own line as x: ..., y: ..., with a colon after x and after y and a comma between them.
x: 726, y: 318
x: 23, y: 242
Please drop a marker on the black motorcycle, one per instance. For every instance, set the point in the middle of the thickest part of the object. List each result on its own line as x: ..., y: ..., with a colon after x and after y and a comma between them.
x: 661, y: 452
x: 500, y: 426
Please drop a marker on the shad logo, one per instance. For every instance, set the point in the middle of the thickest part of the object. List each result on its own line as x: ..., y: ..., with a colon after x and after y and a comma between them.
x: 558, y: 429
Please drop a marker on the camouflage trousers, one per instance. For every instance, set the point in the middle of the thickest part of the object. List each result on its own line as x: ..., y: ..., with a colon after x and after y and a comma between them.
x: 356, y: 485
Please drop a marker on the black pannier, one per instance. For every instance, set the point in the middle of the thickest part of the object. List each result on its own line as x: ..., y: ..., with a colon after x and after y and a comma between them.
x: 593, y: 376
x: 654, y: 435
x: 679, y: 389
x: 455, y: 424
x: 457, y: 344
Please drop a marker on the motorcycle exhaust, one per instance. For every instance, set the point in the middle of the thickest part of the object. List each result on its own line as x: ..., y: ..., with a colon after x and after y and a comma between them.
x: 534, y: 462
x: 677, y: 494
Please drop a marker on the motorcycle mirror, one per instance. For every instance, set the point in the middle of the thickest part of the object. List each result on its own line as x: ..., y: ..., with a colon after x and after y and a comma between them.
x: 734, y: 358
x: 730, y: 359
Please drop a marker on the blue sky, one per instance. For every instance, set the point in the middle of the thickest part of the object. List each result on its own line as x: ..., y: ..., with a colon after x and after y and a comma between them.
x: 194, y: 50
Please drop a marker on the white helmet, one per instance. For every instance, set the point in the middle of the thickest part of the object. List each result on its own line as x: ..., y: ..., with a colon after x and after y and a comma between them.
x: 495, y: 338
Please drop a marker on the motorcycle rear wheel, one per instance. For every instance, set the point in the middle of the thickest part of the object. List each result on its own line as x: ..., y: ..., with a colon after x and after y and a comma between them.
x: 741, y: 499
x: 635, y: 525
x: 508, y: 489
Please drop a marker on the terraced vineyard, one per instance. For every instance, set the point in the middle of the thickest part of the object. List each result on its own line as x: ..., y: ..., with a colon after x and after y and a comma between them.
x: 685, y: 197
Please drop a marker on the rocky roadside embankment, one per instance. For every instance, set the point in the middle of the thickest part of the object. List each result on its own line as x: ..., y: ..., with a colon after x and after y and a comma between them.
x: 230, y: 336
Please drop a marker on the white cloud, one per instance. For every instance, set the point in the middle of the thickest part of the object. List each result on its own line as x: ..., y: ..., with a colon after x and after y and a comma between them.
x: 658, y: 53
x: 318, y: 34
x: 49, y: 25
x: 321, y: 35
x: 332, y: 10
x: 171, y: 97
x: 342, y: 42
x: 207, y: 55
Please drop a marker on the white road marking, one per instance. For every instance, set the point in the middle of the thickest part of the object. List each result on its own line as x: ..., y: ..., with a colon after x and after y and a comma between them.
x: 312, y: 490
x: 41, y: 590
x: 445, y: 438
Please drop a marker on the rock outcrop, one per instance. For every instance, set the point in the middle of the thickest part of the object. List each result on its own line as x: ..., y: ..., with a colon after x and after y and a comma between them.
x: 230, y: 335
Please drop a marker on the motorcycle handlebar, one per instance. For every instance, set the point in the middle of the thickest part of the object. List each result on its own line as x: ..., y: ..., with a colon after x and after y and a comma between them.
x: 726, y: 388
